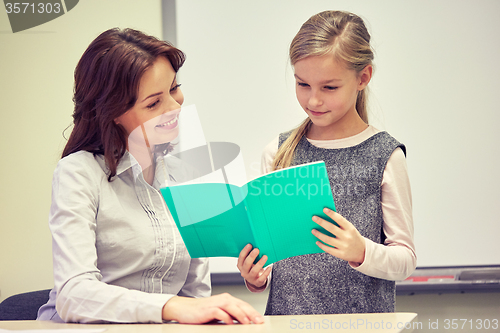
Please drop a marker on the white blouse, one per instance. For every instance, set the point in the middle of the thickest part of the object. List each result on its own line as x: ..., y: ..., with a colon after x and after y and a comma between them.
x: 118, y: 255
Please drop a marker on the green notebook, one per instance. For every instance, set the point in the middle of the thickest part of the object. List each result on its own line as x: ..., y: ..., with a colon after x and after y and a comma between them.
x: 272, y: 212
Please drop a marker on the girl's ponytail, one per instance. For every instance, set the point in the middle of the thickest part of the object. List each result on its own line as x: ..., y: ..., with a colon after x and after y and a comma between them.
x: 361, y: 104
x: 285, y: 153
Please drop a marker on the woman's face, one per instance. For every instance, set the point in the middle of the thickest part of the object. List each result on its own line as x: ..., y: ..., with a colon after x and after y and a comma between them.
x: 157, y: 107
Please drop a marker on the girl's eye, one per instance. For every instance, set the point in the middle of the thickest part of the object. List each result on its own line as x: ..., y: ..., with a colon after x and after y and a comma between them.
x: 151, y: 106
x: 330, y: 88
x: 302, y: 84
x: 174, y: 88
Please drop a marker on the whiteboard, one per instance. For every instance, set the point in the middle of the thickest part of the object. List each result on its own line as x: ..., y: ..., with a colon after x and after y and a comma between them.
x: 435, y: 88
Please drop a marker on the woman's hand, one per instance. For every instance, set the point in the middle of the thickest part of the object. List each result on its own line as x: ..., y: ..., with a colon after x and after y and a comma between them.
x: 348, y: 244
x: 223, y: 307
x: 254, y: 274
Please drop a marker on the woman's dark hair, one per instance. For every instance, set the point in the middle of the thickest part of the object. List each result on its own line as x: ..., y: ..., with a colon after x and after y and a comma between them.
x: 107, y: 81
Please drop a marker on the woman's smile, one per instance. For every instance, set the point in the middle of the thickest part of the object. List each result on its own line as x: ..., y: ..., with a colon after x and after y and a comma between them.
x: 169, y: 124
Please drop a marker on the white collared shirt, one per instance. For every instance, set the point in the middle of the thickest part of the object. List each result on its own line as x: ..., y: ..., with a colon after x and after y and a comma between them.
x: 117, y: 253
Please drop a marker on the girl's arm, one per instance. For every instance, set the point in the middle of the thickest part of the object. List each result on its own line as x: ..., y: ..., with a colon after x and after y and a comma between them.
x: 393, y: 260
x: 256, y: 276
x: 396, y: 258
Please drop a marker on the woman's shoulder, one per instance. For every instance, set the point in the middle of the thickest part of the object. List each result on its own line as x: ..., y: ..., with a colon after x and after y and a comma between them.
x: 80, y: 155
x: 80, y: 159
x: 83, y: 163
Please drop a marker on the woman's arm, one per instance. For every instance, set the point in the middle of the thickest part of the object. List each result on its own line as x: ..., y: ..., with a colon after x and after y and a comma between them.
x: 223, y: 307
x: 198, y: 279
x: 81, y: 295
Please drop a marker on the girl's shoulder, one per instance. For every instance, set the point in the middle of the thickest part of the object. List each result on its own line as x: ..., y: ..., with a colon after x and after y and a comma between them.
x: 283, y: 136
x: 386, y: 141
x: 268, y: 154
x: 272, y: 147
x: 376, y: 141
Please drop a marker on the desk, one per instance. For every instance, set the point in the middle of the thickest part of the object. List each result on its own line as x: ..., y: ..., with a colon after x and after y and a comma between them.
x: 370, y: 322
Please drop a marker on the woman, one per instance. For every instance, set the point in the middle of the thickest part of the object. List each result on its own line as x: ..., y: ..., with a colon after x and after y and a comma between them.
x: 118, y: 256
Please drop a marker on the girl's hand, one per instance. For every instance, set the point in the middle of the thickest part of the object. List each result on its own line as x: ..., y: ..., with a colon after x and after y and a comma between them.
x: 348, y: 245
x: 254, y: 274
x: 224, y: 307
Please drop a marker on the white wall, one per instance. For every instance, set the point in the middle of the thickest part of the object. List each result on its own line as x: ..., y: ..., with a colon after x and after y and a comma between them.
x: 435, y: 89
x: 36, y: 85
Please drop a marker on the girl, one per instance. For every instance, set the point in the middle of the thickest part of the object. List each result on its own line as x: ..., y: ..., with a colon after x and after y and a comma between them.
x: 373, y: 247
x: 118, y: 256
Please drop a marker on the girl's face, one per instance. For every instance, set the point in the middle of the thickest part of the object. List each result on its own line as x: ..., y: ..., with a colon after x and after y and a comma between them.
x: 157, y: 106
x: 327, y: 92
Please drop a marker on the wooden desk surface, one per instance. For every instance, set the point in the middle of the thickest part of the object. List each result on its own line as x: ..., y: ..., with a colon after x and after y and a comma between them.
x: 371, y: 322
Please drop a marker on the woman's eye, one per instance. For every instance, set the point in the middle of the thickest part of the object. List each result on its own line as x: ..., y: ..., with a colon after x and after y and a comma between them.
x: 174, y: 88
x: 302, y: 84
x: 150, y: 106
x: 330, y: 88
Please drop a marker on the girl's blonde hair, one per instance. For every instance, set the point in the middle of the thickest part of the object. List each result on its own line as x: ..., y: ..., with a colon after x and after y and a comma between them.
x: 345, y: 37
